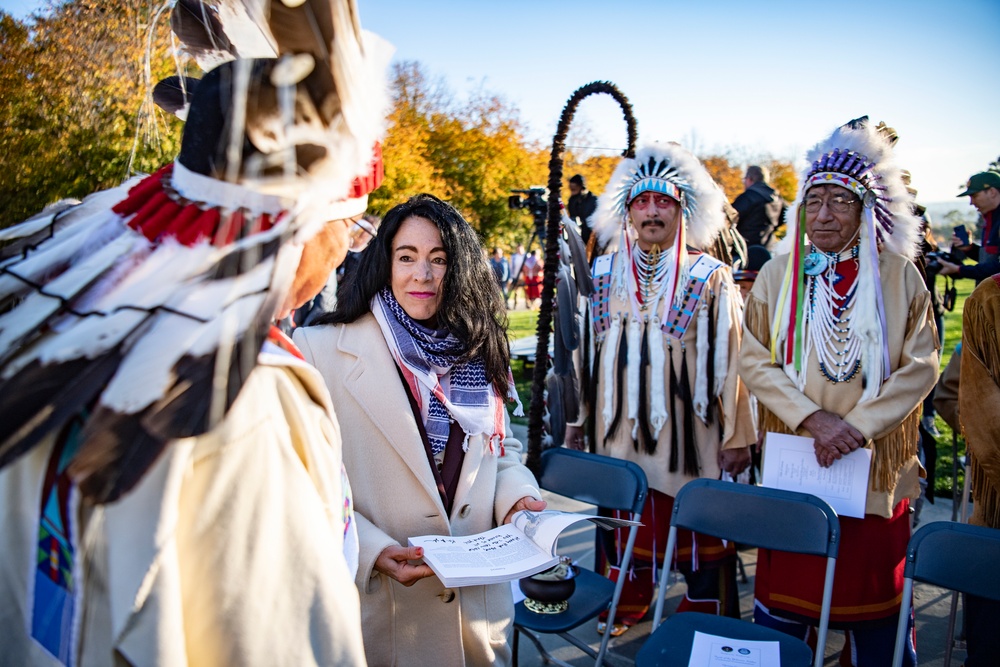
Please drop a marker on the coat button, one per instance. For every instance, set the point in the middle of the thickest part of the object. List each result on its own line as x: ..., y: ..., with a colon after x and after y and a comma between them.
x: 464, y: 512
x: 447, y: 595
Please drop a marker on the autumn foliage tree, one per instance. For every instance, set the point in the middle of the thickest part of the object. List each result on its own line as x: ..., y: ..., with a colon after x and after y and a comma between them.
x: 783, y: 178
x: 408, y: 170
x: 596, y: 170
x: 728, y: 176
x: 471, y: 153
x: 75, y: 115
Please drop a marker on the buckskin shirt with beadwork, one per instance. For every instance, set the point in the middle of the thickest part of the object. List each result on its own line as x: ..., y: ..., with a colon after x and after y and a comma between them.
x: 727, y: 420
x: 891, y: 418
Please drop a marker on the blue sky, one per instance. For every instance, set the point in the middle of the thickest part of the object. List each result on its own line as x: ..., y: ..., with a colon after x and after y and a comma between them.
x: 765, y: 77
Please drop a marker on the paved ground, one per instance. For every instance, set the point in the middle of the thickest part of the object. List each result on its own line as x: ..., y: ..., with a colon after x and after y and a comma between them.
x: 932, y: 604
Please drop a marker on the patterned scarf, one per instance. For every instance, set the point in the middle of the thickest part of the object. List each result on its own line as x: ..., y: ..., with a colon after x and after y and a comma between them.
x: 444, y: 389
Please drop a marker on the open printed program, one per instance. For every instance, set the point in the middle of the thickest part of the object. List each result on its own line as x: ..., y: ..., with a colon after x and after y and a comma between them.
x: 523, y: 547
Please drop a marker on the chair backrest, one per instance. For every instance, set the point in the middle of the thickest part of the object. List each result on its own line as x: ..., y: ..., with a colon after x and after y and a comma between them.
x: 593, y: 478
x: 758, y: 516
x: 956, y: 556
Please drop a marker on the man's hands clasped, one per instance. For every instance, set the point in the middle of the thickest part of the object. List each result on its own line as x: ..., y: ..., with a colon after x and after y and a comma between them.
x: 833, y: 437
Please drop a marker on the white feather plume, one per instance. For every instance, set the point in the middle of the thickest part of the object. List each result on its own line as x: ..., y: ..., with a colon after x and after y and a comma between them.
x: 38, y: 307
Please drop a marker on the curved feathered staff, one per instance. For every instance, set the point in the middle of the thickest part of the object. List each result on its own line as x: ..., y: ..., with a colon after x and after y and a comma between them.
x: 552, y: 259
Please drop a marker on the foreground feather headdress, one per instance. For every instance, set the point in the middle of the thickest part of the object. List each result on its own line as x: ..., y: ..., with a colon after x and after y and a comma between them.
x: 857, y: 157
x: 140, y: 312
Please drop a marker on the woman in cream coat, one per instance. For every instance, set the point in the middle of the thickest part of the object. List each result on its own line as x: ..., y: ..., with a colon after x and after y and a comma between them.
x: 427, y: 445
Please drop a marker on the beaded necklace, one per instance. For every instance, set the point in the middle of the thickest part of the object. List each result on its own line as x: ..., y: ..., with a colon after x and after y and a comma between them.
x: 829, y: 326
x: 650, y: 272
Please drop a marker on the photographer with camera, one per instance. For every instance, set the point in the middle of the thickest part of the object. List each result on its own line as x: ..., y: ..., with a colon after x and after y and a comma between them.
x: 536, y: 202
x: 983, y: 190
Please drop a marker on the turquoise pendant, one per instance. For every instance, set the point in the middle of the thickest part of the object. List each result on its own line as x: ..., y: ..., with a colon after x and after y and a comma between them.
x: 815, y: 264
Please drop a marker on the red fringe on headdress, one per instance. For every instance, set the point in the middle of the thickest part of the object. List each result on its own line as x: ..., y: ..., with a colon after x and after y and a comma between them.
x: 156, y: 216
x: 229, y: 229
x: 202, y: 227
x: 141, y: 192
x: 368, y: 183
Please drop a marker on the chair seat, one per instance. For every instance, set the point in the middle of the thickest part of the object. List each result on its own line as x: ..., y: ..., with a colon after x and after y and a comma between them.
x: 671, y: 643
x: 592, y: 596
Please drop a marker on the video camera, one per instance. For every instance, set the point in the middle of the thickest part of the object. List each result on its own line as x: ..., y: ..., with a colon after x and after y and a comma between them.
x: 535, y: 201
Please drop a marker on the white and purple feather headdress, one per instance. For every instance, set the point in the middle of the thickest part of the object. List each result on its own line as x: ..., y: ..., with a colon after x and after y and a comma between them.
x: 859, y: 157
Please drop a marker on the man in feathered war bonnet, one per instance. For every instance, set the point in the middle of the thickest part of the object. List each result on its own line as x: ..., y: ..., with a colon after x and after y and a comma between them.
x: 171, y: 481
x: 840, y: 345
x: 664, y: 391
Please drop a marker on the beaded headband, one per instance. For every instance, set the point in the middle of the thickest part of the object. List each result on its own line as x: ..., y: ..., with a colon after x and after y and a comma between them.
x: 657, y: 185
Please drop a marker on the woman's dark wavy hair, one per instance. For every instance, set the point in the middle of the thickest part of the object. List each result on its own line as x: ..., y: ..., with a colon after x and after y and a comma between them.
x: 472, y: 306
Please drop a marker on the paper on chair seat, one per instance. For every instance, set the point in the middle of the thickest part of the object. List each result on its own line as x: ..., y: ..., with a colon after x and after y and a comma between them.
x: 714, y: 651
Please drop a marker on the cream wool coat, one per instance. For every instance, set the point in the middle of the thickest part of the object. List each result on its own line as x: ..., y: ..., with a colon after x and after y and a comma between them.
x: 228, y: 552
x: 396, y: 497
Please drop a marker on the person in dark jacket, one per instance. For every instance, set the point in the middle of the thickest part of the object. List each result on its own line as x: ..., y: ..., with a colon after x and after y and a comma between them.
x: 760, y: 208
x: 582, y: 204
x: 983, y: 191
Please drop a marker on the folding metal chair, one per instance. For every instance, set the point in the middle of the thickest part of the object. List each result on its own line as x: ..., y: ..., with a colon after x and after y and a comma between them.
x: 956, y: 556
x: 752, y: 516
x: 961, y: 515
x: 598, y: 480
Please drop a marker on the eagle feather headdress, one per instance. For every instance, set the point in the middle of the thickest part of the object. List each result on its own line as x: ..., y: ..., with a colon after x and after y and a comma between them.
x: 139, y: 312
x: 702, y: 200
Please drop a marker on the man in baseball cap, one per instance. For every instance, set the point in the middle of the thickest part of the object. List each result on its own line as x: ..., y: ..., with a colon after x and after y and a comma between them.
x: 983, y: 191
x: 984, y: 180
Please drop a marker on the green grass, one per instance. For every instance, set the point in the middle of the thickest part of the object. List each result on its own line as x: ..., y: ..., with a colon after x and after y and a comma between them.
x: 521, y: 323
x: 943, y: 482
x: 524, y: 322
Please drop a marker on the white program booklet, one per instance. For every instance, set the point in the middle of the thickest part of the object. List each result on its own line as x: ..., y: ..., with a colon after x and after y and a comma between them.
x: 523, y: 547
x: 790, y: 463
x: 714, y: 651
